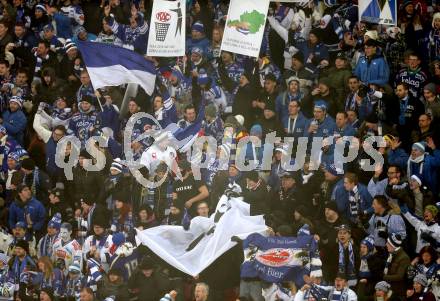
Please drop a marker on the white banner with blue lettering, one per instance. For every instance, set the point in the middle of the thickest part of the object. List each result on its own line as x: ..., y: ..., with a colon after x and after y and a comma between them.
x: 206, y: 239
x: 378, y: 11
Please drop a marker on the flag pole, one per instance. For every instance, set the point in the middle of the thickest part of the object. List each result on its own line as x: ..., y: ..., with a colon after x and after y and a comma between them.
x: 130, y: 92
x: 99, y: 99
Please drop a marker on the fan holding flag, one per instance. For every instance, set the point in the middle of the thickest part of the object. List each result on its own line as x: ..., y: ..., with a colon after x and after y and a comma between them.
x: 110, y: 65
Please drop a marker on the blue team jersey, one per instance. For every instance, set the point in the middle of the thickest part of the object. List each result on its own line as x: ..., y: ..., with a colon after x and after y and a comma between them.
x: 127, y: 265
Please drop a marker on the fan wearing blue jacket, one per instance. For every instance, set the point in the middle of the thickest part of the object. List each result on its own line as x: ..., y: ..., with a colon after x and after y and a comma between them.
x: 322, y: 125
x: 423, y: 165
x: 199, y: 40
x: 295, y: 124
x: 14, y: 119
x: 372, y: 68
x: 27, y: 210
x: 352, y: 198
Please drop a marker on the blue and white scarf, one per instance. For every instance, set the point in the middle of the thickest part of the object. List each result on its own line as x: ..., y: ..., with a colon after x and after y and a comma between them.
x: 46, y: 248
x: 350, y: 269
x: 354, y: 200
x: 39, y: 64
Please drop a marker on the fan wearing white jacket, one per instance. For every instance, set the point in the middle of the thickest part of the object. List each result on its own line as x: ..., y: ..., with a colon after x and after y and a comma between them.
x: 428, y: 231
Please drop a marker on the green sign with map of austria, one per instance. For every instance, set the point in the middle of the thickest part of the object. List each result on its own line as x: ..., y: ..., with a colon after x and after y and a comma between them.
x: 250, y: 22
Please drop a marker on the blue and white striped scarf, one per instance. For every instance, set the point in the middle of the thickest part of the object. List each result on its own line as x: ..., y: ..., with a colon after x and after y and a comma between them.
x: 350, y: 269
x: 39, y: 64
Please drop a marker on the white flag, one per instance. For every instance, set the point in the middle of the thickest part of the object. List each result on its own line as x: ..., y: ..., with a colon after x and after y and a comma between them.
x: 244, y: 27
x: 167, y: 29
x: 207, y: 238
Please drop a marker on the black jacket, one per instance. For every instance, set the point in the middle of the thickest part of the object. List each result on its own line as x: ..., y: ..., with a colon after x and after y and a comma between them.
x: 86, y: 185
x: 243, y: 104
x: 258, y: 199
x: 151, y: 288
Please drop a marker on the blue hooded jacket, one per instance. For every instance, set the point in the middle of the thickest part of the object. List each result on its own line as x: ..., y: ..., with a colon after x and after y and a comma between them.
x: 428, y: 173
x: 15, y: 124
x: 17, y: 213
x: 374, y: 71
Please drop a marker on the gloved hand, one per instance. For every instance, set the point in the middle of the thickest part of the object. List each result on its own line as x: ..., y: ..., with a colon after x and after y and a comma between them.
x: 426, y: 236
x: 404, y: 208
x: 42, y: 106
x: 383, y: 234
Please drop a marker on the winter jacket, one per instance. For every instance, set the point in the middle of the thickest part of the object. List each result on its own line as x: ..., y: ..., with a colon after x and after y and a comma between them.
x: 298, y: 128
x: 427, y: 170
x: 326, y: 128
x: 51, y: 92
x: 338, y: 79
x: 86, y: 185
x: 110, y: 117
x: 258, y: 199
x: 55, y: 281
x: 41, y: 183
x: 341, y: 197
x: 204, y: 44
x: 427, y: 234
x: 318, y: 52
x: 214, y: 129
x: 396, y: 275
x: 243, y: 104
x: 15, y: 124
x: 425, y: 296
x: 433, y: 108
x: 282, y: 103
x: 119, y: 291
x: 18, y: 211
x: 388, y: 223
x: 373, y: 71
x: 149, y: 288
x: 51, y: 168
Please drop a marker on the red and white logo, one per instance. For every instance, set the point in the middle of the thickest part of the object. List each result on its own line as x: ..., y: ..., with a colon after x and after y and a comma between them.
x: 163, y: 16
x: 275, y: 257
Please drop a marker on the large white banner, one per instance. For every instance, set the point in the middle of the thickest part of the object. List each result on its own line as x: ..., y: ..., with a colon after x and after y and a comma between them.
x: 245, y: 26
x: 167, y: 29
x: 207, y: 238
x: 379, y: 12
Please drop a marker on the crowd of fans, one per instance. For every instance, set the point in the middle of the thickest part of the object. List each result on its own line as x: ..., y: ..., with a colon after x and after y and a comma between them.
x: 321, y: 74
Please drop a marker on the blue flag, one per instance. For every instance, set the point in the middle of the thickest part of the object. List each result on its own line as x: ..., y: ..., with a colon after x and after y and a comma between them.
x: 110, y: 65
x: 277, y: 259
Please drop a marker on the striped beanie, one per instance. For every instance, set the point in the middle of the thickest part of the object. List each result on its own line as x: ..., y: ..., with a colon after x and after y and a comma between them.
x: 69, y: 45
x: 395, y: 240
x: 18, y: 100
x: 420, y: 146
x: 117, y: 165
